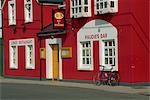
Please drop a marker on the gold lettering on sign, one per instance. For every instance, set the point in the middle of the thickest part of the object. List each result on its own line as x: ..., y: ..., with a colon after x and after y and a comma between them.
x: 95, y: 36
x: 59, y: 15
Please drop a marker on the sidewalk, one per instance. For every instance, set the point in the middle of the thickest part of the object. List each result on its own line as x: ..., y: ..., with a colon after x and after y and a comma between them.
x: 145, y: 90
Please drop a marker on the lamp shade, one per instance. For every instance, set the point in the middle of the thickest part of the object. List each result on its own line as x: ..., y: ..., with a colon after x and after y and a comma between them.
x: 51, y: 1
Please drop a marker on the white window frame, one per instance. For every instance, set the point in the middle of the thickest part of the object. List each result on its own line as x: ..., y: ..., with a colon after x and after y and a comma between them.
x: 108, y: 9
x: 12, y: 12
x: 12, y: 57
x: 80, y: 7
x: 113, y: 56
x: 115, y: 8
x: 110, y: 52
x: 28, y: 57
x: 27, y: 12
x: 85, y: 66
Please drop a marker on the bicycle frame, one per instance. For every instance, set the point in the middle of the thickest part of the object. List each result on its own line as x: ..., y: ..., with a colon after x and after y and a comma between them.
x: 106, y: 77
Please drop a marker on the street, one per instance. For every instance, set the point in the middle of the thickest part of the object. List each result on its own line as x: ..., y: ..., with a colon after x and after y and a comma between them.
x: 16, y: 91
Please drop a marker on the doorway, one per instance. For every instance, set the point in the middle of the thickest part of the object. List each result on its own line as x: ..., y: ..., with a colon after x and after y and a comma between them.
x: 53, y: 58
x: 55, y: 61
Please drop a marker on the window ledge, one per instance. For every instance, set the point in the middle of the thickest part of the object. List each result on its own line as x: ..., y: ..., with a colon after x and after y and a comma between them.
x: 28, y: 21
x: 12, y: 24
x: 89, y: 68
x: 14, y: 68
x: 30, y: 68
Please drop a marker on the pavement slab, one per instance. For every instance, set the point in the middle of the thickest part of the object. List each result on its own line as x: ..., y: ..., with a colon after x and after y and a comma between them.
x: 144, y: 90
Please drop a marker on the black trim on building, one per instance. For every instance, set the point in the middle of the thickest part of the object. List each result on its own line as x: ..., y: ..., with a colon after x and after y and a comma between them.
x: 49, y: 30
x: 51, y: 1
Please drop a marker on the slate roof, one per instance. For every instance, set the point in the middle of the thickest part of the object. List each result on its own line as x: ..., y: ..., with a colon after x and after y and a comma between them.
x: 49, y: 30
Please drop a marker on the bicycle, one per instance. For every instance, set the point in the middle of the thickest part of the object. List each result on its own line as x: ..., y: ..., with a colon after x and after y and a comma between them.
x: 114, y: 78
x: 106, y: 77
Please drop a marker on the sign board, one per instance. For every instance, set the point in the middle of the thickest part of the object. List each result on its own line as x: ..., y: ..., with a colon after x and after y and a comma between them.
x: 66, y: 52
x: 42, y: 53
x: 21, y: 42
x: 58, y: 17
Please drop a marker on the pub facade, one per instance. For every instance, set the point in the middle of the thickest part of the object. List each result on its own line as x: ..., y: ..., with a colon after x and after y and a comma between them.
x: 70, y: 41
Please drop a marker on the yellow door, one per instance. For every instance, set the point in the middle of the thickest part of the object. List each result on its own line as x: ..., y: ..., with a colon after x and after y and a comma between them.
x: 55, y: 61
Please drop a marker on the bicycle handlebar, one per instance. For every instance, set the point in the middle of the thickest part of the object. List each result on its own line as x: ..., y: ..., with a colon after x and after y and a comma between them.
x: 103, y: 67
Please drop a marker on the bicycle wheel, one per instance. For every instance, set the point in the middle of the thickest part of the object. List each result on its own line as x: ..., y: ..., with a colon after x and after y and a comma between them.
x: 117, y: 78
x: 97, y: 78
x: 114, y: 79
x: 104, y: 77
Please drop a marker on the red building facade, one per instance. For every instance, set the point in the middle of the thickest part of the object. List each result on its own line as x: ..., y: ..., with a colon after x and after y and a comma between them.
x: 106, y: 32
x: 132, y: 37
x: 20, y: 33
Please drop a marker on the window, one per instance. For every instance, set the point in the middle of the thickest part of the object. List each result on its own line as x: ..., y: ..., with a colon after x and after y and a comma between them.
x: 86, y: 2
x: 105, y: 3
x: 79, y: 2
x: 106, y: 6
x: 79, y: 8
x: 112, y: 4
x: 76, y: 2
x: 28, y: 15
x: 13, y: 57
x: 109, y: 52
x: 85, y: 9
x: 12, y: 12
x: 29, y: 57
x: 97, y: 5
x: 101, y: 5
x: 86, y: 53
x: 85, y: 56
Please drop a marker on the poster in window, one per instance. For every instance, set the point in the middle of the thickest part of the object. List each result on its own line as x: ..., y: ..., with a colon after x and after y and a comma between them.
x: 66, y: 52
x: 42, y: 53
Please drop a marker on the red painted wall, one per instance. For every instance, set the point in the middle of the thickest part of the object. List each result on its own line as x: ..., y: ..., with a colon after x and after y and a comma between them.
x: 133, y: 42
x: 140, y: 40
x: 25, y: 30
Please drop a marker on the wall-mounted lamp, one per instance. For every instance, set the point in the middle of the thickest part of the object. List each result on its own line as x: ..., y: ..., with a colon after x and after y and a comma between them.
x: 14, y: 29
x: 23, y: 27
x: 52, y: 37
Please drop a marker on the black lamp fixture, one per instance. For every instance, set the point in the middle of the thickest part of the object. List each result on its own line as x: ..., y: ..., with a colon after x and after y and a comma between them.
x: 13, y: 27
x: 23, y: 27
x: 51, y: 1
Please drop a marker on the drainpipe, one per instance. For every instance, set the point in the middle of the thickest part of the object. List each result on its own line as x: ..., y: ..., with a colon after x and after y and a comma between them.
x: 2, y: 27
x: 41, y: 40
x: 40, y: 60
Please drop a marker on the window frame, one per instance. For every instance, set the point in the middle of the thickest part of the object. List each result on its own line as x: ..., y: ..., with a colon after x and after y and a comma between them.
x: 110, y: 55
x: 81, y: 65
x: 11, y: 57
x: 112, y: 4
x: 27, y: 50
x: 27, y: 12
x: 12, y: 21
x: 114, y: 54
x: 80, y: 9
x: 104, y: 9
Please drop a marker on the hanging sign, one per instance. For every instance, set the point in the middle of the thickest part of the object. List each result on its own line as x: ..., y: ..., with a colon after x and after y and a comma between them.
x: 58, y: 18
